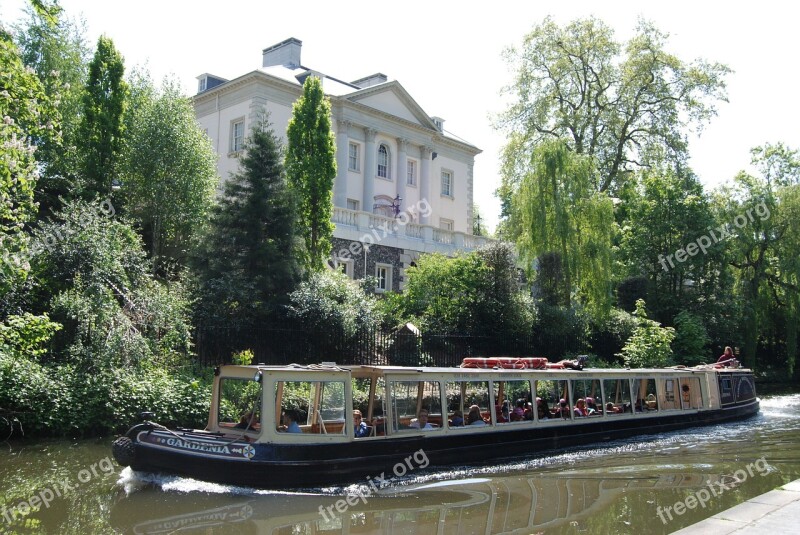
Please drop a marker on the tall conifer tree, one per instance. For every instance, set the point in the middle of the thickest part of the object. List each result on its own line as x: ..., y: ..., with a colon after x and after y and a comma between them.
x: 311, y: 168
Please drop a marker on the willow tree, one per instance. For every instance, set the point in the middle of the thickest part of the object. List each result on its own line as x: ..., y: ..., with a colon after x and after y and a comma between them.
x: 102, y: 126
x: 311, y: 169
x: 558, y: 212
x: 607, y: 99
x: 761, y: 212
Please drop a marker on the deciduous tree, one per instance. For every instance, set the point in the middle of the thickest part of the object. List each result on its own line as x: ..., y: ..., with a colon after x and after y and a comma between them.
x: 609, y: 99
x: 168, y: 173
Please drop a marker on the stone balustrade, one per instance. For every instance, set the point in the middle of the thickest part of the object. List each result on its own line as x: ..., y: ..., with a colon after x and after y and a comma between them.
x: 392, y: 232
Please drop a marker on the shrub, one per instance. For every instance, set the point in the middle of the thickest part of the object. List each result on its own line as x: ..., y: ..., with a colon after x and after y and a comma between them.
x: 649, y: 347
x: 691, y: 340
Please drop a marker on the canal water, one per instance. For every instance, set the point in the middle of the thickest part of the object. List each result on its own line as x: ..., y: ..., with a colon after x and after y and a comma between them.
x: 655, y: 484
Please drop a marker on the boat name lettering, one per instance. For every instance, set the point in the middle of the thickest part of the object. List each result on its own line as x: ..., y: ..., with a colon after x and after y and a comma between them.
x: 210, y: 448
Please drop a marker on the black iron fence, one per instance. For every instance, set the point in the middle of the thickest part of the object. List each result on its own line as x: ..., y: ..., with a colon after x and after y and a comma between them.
x: 374, y: 346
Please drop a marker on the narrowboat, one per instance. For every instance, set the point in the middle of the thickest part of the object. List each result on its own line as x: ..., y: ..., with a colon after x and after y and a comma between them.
x: 292, y: 427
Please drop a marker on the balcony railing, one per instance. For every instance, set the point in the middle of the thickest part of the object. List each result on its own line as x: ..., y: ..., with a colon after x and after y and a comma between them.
x: 412, y: 235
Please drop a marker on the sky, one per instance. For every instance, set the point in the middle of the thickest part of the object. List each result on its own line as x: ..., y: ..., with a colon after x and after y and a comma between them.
x: 448, y: 56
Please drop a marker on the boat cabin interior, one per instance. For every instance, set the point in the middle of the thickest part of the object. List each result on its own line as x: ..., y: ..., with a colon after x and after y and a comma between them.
x: 344, y: 403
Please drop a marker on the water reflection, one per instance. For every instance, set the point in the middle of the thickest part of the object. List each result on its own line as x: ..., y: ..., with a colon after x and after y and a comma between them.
x: 613, y: 488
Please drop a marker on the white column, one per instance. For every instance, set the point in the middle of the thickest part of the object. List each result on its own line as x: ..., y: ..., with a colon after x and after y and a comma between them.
x: 342, y: 156
x: 369, y: 170
x: 402, y: 169
x: 425, y: 180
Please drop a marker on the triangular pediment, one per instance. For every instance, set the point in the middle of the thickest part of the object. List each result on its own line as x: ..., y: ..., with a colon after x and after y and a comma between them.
x: 391, y: 98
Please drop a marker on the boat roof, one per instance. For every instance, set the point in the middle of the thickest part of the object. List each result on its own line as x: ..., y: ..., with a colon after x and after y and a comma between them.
x: 359, y: 369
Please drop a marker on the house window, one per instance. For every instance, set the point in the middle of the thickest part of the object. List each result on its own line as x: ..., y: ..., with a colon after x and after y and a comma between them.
x: 445, y: 224
x: 383, y: 272
x: 412, y: 173
x: 384, y: 162
x: 352, y: 204
x: 353, y: 161
x: 346, y: 265
x: 237, y: 135
x: 447, y: 183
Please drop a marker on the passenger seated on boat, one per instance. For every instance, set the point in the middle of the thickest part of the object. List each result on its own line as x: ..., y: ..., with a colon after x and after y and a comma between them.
x: 290, y: 421
x: 474, y: 417
x: 247, y: 421
x: 562, y: 411
x: 361, y: 429
x: 580, y: 408
x: 518, y: 414
x: 542, y: 409
x: 528, y: 412
x: 611, y: 409
x: 457, y: 420
x: 422, y: 421
x: 501, y: 413
x: 591, y: 407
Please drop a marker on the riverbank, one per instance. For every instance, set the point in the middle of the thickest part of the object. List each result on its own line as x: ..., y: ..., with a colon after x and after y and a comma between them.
x: 776, y: 511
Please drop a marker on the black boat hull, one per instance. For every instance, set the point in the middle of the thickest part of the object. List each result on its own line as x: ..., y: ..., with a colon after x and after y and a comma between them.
x: 214, y: 458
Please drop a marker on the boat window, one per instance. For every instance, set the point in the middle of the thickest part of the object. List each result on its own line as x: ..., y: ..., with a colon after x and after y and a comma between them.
x: 416, y: 405
x: 725, y: 390
x: 647, y: 399
x: 463, y: 395
x: 239, y: 403
x: 552, y: 401
x: 691, y: 396
x: 745, y: 390
x: 617, y: 398
x: 374, y: 416
x: 512, y: 401
x: 587, y: 390
x: 310, y: 407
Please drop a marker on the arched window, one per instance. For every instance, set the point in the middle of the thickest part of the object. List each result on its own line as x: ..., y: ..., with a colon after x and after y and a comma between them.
x: 384, y: 162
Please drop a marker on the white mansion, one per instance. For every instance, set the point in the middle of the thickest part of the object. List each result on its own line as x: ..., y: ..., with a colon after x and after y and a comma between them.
x: 403, y: 186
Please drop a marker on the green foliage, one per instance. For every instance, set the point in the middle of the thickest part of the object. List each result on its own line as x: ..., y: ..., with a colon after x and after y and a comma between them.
x: 607, y: 335
x: 60, y: 400
x: 57, y: 51
x: 691, y: 340
x: 95, y: 278
x: 243, y: 358
x: 559, y: 331
x: 474, y: 293
x: 26, y: 335
x: 26, y: 113
x: 102, y: 126
x: 649, y: 346
x: 556, y: 209
x: 311, y: 169
x: 168, y: 171
x: 331, y: 304
x: 611, y: 100
x: 669, y: 215
x: 250, y: 259
x: 761, y: 212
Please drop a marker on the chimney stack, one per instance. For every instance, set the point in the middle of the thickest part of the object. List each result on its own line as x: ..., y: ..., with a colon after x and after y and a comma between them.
x: 286, y: 53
